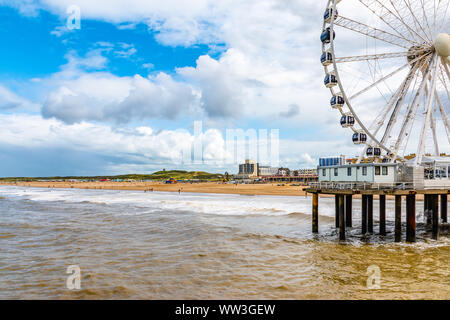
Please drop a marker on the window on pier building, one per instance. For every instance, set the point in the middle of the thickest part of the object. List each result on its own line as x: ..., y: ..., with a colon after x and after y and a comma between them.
x: 385, y: 171
x: 335, y: 172
x: 349, y: 171
x: 324, y: 172
x: 377, y: 170
x: 364, y: 169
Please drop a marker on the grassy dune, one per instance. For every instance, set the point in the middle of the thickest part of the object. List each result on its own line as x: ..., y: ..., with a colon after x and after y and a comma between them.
x: 159, y: 175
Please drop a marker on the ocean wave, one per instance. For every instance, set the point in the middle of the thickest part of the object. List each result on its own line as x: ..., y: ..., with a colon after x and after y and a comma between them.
x: 213, y: 204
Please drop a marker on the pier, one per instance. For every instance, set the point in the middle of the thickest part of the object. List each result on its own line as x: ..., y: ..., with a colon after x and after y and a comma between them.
x: 435, y: 208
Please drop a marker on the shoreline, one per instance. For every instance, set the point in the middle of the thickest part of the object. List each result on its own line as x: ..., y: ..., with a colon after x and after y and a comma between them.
x: 207, y: 187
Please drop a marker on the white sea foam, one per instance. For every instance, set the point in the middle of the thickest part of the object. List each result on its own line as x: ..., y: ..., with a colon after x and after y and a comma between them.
x: 220, y: 204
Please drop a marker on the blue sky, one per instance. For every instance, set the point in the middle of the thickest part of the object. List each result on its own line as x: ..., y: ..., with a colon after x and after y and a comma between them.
x: 32, y: 51
x: 42, y: 58
x: 121, y: 94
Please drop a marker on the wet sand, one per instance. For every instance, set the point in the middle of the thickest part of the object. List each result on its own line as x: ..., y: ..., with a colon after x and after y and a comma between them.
x: 209, y: 187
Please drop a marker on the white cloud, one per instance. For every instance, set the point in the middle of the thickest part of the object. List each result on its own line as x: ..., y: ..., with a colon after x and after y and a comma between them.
x: 242, y: 87
x: 9, y: 101
x: 130, y: 144
x: 233, y: 87
x: 293, y: 111
x: 26, y: 7
x: 126, y: 51
x: 105, y: 97
x: 270, y: 63
x: 142, y: 147
x: 59, y: 31
x: 148, y: 66
x: 221, y: 88
x: 269, y: 66
x: 81, y: 91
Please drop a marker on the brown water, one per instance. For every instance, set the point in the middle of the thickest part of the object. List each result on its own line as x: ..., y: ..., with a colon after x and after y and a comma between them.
x: 133, y: 245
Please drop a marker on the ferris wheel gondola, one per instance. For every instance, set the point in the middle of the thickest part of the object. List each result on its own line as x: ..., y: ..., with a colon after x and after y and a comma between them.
x: 337, y: 101
x: 373, y: 152
x: 347, y: 121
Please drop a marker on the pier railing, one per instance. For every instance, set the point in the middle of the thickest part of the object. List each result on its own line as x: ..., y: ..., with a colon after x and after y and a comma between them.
x: 354, y: 186
x: 360, y: 186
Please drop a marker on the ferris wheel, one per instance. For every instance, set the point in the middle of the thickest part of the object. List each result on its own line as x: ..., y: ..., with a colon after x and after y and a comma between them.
x: 387, y: 66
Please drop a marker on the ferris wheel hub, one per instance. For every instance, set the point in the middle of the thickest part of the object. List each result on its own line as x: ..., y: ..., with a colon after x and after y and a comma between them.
x: 442, y: 44
x: 418, y: 51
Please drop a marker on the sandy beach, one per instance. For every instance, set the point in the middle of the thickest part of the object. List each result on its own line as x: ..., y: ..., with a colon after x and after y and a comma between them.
x: 208, y: 187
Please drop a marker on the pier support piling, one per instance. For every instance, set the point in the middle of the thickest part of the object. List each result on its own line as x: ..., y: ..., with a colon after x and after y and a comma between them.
x: 370, y: 213
x: 411, y: 218
x: 382, y: 215
x: 336, y: 209
x: 444, y: 205
x: 341, y: 218
x: 315, y: 213
x: 435, y: 210
x: 348, y: 211
x: 434, y: 199
x: 398, y: 218
x: 364, y: 214
x: 427, y: 208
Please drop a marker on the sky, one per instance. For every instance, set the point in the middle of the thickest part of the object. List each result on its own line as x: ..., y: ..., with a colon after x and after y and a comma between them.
x: 121, y: 93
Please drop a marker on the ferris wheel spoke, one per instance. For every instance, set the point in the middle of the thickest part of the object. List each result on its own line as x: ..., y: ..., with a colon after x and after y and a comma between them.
x: 443, y: 115
x: 435, y: 140
x: 381, y: 118
x: 379, y: 81
x: 373, y: 32
x: 429, y: 109
x: 372, y: 57
x: 412, y: 109
x: 399, y: 103
x: 425, y: 18
x: 408, y: 8
x: 445, y: 86
x: 440, y: 11
x: 391, y: 19
x: 393, y: 106
x: 416, y: 21
x: 434, y: 14
x: 445, y: 65
x: 444, y: 20
x: 433, y: 124
x: 442, y: 80
x: 373, y: 85
x: 385, y: 78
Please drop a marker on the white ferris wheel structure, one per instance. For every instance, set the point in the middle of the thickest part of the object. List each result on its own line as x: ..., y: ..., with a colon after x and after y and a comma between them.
x: 387, y: 65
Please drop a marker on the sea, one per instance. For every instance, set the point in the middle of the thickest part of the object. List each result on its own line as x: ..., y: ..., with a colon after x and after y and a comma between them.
x: 111, y: 244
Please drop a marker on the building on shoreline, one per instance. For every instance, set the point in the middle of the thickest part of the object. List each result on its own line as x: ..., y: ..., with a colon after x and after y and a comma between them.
x: 251, y: 171
x: 433, y: 173
x: 265, y: 171
x: 248, y: 170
